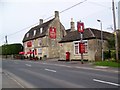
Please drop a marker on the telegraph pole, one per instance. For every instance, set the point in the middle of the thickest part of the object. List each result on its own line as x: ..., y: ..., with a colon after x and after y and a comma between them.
x: 6, y: 41
x: 116, y: 33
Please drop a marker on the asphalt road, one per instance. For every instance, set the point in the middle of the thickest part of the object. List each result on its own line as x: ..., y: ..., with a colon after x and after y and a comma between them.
x: 31, y: 74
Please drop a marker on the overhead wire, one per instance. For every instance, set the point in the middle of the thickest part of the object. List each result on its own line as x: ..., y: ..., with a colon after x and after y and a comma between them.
x: 53, y: 15
x: 48, y: 17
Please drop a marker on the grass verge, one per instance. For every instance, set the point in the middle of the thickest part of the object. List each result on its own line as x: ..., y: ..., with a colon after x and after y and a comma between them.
x: 107, y: 63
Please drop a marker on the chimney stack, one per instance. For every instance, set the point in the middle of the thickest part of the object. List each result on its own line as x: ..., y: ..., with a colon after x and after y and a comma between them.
x: 56, y: 14
x: 72, y: 25
x: 40, y: 21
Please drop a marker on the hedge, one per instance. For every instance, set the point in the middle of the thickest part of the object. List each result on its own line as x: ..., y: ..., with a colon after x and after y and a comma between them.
x: 11, y: 49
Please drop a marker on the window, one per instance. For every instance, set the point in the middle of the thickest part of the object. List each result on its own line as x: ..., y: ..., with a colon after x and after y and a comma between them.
x: 41, y: 30
x: 34, y: 32
x: 76, y: 47
x: 32, y: 43
x: 39, y: 42
x: 25, y: 44
x: 39, y: 51
x: 27, y: 35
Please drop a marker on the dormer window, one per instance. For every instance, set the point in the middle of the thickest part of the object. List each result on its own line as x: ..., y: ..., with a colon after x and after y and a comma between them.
x: 41, y: 30
x: 34, y: 33
x: 27, y: 35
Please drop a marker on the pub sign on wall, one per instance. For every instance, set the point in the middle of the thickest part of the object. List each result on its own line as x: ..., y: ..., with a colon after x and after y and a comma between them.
x: 29, y: 44
x: 52, y: 32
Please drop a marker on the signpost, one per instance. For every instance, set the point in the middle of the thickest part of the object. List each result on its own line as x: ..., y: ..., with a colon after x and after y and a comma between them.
x: 80, y: 28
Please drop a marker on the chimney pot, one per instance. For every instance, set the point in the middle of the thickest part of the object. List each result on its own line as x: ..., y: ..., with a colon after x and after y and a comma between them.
x: 72, y: 25
x: 40, y: 21
x: 56, y: 14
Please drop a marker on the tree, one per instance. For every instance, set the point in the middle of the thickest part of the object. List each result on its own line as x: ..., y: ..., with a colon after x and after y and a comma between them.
x: 11, y: 49
x: 119, y: 40
x: 111, y: 43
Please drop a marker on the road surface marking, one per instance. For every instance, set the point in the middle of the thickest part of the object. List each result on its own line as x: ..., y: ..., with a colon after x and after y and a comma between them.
x: 89, y: 68
x: 106, y: 82
x: 50, y: 70
x: 15, y: 62
x: 28, y: 65
x: 57, y: 65
x: 61, y: 65
x: 44, y: 63
x: 14, y: 80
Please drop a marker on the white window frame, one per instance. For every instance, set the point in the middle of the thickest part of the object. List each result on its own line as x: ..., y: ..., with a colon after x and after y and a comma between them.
x: 34, y: 33
x: 39, y: 40
x: 39, y: 51
x: 25, y: 44
x: 32, y: 43
x: 27, y: 35
x: 75, y: 48
x: 41, y: 30
x: 86, y: 46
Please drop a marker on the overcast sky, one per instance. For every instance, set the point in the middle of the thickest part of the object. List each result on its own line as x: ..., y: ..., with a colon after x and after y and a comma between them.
x: 18, y: 16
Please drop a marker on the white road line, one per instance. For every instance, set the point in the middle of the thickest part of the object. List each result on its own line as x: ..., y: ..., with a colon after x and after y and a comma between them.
x: 16, y: 62
x: 28, y: 65
x: 106, y: 82
x: 15, y: 81
x: 81, y: 67
x: 50, y: 70
x: 61, y: 65
x: 44, y: 63
x: 58, y: 65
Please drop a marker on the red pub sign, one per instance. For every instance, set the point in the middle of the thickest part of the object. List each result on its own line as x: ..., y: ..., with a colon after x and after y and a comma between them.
x: 52, y: 32
x: 29, y: 44
x: 80, y: 27
x: 81, y: 48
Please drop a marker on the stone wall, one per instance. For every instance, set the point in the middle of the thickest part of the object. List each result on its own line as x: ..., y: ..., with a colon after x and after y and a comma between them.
x: 69, y: 47
x: 53, y: 45
x: 50, y: 47
x: 93, y: 50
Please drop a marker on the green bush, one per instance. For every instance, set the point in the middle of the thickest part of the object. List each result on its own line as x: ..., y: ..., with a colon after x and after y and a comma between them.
x: 111, y: 55
x: 107, y: 54
x: 11, y: 49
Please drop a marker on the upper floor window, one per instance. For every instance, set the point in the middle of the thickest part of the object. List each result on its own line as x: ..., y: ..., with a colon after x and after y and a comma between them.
x: 41, y: 30
x: 39, y: 42
x: 33, y: 43
x: 34, y: 32
x: 27, y: 35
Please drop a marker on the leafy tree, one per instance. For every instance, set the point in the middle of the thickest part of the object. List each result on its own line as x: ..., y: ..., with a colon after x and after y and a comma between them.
x: 11, y: 49
x: 119, y: 40
x: 111, y: 43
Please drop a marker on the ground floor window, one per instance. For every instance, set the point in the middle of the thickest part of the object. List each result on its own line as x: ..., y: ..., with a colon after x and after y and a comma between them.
x: 39, y: 51
x: 76, y: 47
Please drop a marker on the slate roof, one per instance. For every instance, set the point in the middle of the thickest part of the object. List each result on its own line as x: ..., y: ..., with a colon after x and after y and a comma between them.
x: 89, y: 33
x: 45, y: 27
